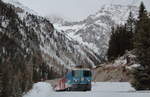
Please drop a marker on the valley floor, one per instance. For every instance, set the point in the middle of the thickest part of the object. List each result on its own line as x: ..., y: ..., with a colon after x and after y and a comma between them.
x: 100, y: 89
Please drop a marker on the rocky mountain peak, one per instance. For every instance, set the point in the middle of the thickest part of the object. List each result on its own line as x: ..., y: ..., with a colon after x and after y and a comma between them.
x: 94, y: 31
x: 19, y: 7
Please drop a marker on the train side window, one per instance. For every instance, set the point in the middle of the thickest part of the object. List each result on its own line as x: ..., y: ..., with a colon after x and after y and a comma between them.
x: 73, y: 73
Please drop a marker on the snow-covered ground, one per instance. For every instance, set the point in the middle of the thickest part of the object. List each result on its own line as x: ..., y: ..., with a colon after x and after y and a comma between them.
x: 100, y: 89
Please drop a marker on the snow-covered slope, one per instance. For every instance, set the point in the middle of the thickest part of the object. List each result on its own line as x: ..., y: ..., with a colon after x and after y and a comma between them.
x: 99, y: 89
x: 94, y: 31
x: 31, y: 49
x: 57, y: 48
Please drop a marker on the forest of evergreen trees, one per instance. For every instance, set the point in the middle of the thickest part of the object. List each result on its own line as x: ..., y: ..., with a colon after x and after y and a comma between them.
x: 121, y: 39
x: 134, y: 35
x: 19, y: 68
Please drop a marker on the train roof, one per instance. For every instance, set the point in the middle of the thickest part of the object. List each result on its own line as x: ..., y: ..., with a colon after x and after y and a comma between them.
x: 81, y: 69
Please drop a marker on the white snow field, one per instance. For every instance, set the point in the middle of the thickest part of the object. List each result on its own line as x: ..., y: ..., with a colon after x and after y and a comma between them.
x: 100, y: 89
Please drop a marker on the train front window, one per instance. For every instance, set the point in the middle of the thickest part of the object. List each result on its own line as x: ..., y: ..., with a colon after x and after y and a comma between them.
x: 76, y: 73
x: 87, y: 73
x: 73, y: 73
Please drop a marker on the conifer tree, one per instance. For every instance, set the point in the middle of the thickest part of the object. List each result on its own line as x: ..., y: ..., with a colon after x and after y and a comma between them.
x: 130, y: 30
x: 121, y: 40
x: 142, y: 45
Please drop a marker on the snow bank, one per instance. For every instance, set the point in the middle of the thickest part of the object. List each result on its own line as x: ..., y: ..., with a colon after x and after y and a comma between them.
x: 112, y: 87
x: 40, y: 89
x: 99, y: 89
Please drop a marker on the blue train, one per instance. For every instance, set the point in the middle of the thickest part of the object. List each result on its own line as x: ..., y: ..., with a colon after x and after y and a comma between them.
x: 76, y: 80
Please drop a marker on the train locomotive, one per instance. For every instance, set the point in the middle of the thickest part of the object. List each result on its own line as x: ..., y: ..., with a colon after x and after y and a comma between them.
x: 75, y: 80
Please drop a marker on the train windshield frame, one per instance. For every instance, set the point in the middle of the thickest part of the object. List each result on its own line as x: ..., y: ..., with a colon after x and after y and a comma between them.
x: 80, y: 73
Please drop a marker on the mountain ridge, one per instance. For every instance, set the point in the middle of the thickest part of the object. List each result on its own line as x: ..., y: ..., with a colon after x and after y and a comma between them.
x: 26, y: 16
x: 94, y: 31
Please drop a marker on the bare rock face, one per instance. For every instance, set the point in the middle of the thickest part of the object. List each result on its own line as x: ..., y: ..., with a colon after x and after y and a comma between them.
x: 112, y: 74
x: 120, y: 70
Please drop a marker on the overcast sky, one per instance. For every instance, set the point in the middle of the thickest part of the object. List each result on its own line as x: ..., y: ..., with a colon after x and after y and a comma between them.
x: 74, y: 9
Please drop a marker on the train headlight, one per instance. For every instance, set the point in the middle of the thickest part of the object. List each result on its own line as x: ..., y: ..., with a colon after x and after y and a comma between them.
x: 82, y: 79
x: 75, y: 80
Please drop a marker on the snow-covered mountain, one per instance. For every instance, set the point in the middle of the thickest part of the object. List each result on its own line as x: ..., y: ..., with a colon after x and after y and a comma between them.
x: 55, y: 19
x: 20, y: 7
x: 55, y: 44
x: 94, y: 31
x: 31, y: 49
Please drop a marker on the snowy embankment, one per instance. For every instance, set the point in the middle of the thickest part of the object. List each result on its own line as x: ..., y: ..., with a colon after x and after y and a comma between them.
x: 100, y: 89
x: 40, y: 89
